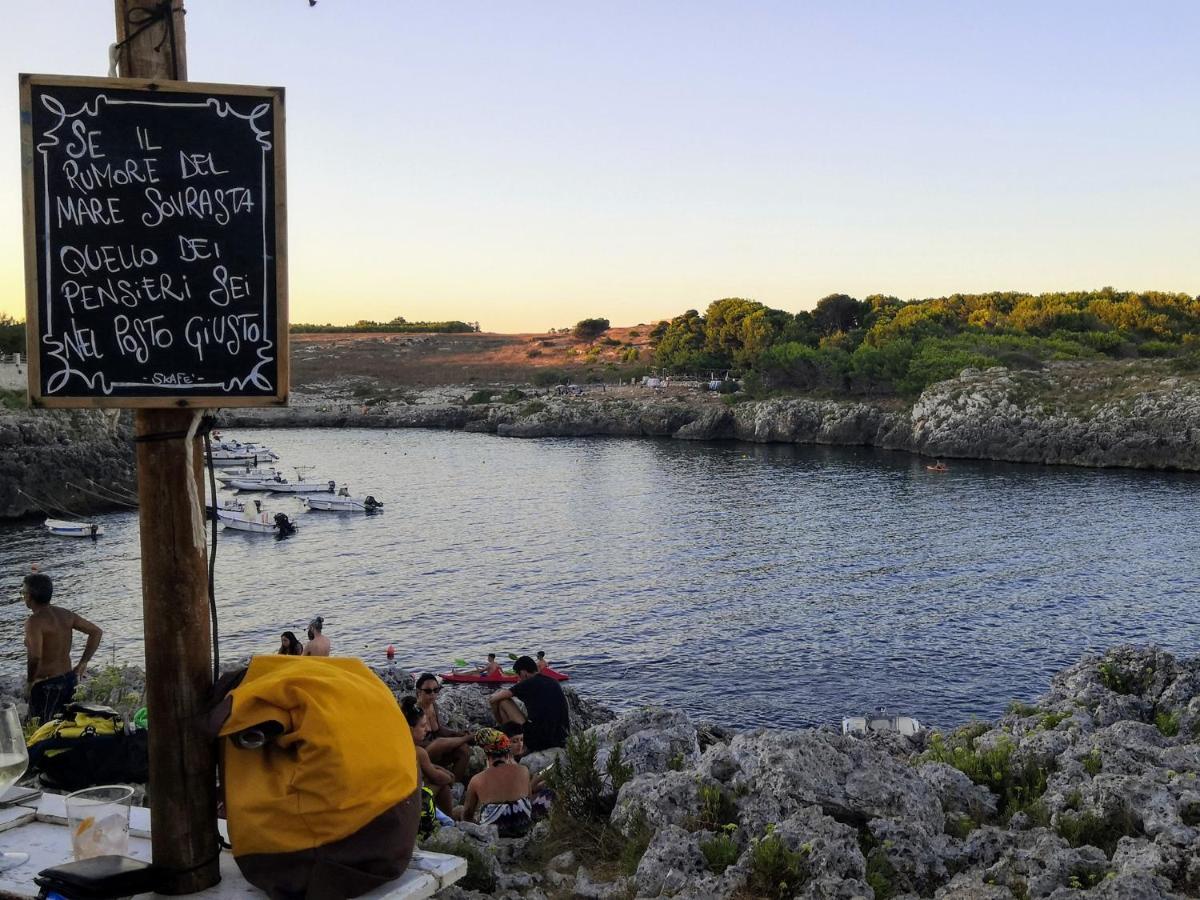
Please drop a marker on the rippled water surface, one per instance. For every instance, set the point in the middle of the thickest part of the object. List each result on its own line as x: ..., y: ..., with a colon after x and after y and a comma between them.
x: 748, y: 584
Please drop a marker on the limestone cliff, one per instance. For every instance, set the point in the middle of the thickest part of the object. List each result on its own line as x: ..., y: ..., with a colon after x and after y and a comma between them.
x: 56, y: 463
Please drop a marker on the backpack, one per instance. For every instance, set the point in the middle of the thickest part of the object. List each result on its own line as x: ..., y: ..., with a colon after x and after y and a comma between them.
x: 320, y: 777
x: 87, y: 744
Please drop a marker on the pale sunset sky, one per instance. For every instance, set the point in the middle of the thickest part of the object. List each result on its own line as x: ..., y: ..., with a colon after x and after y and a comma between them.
x: 527, y: 165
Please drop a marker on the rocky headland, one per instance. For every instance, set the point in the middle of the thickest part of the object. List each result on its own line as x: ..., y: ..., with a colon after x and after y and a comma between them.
x: 63, y: 462
x: 1092, y: 791
x: 1130, y: 415
x: 1137, y: 415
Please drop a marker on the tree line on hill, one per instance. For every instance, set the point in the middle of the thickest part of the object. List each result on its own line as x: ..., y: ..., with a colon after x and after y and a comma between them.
x: 398, y: 325
x: 883, y: 345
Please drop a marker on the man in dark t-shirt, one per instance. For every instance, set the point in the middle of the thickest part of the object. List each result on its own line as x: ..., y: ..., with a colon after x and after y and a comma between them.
x: 548, y: 721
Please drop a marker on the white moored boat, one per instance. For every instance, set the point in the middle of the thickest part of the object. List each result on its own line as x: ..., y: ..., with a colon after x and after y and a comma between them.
x: 74, y: 529
x: 881, y: 722
x: 248, y: 474
x: 342, y: 502
x: 256, y: 521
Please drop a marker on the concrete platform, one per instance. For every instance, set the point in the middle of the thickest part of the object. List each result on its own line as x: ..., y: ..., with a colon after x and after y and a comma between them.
x: 39, y: 829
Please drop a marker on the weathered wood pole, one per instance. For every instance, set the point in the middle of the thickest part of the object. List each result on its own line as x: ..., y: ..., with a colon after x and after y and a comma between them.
x: 183, y: 792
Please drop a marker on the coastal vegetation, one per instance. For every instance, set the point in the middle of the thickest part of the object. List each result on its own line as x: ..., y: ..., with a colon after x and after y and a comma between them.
x: 12, y: 335
x: 885, y: 346
x: 398, y: 325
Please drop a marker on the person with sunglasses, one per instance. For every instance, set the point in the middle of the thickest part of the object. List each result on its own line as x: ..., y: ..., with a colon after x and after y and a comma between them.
x: 445, y: 746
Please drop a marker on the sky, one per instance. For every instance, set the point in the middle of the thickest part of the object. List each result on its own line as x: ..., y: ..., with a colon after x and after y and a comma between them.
x: 526, y: 165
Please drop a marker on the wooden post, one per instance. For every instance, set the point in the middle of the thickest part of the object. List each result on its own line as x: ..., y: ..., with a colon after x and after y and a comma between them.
x: 183, y: 791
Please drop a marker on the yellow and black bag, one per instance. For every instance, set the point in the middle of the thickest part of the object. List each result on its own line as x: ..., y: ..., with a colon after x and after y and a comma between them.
x: 328, y: 806
x: 87, y: 744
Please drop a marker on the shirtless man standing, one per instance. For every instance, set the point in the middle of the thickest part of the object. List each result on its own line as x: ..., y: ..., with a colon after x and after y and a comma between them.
x: 318, y: 644
x: 51, y: 678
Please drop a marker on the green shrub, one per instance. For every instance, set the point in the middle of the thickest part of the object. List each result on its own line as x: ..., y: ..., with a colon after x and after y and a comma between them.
x: 634, y: 846
x: 1052, y: 720
x: 631, y: 355
x: 776, y: 871
x: 589, y: 329
x: 959, y: 825
x: 634, y: 333
x: 533, y: 352
x: 720, y: 851
x: 549, y: 377
x: 1017, y: 708
x: 881, y: 874
x: 532, y: 408
x: 1119, y: 681
x: 13, y: 399
x: 1016, y: 785
x: 1167, y: 722
x: 676, y: 763
x: 484, y: 396
x: 480, y: 874
x: 717, y: 810
x: 1093, y: 763
x: 512, y: 395
x: 1102, y: 831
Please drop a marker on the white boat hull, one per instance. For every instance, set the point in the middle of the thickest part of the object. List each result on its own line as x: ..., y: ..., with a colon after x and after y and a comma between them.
x: 258, y: 523
x: 339, y: 504
x: 73, y: 529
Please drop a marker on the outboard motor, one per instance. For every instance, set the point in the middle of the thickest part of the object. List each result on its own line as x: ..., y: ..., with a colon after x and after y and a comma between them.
x: 284, y: 525
x: 332, y: 486
x: 258, y: 506
x: 372, y: 504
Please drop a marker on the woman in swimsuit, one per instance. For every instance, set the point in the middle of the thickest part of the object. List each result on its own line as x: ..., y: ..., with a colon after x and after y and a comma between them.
x: 445, y: 746
x: 436, y: 779
x: 499, y: 795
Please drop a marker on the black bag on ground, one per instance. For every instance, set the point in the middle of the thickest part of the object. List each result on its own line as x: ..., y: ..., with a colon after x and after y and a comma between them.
x: 86, y: 745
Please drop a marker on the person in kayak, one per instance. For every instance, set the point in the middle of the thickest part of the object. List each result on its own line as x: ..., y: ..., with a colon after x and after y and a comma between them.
x: 445, y: 746
x: 493, y: 669
x: 436, y: 778
x: 541, y: 661
x: 548, y: 721
x: 500, y: 794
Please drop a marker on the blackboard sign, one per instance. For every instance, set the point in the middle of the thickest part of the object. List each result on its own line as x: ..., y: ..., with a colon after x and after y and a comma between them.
x: 155, y: 250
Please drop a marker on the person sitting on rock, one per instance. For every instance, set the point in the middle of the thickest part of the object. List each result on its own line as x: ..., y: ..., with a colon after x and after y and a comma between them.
x: 499, y: 795
x: 437, y: 779
x: 547, y: 719
x: 446, y: 746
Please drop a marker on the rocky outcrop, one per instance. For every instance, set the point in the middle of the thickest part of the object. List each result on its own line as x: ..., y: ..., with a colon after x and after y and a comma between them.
x: 63, y: 462
x: 1066, y: 413
x: 1093, y: 791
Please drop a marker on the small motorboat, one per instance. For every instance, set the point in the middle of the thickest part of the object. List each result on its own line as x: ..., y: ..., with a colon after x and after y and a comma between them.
x: 474, y: 676
x: 342, y: 502
x: 227, y: 506
x: 64, y: 528
x: 257, y: 521
x: 248, y: 474
x: 881, y: 722
x: 299, y: 486
x: 223, y: 454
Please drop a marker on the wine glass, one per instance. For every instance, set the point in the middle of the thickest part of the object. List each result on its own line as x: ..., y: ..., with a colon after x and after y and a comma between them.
x: 13, y: 760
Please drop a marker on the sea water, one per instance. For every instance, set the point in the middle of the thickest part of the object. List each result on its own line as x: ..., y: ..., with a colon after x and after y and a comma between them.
x: 747, y: 584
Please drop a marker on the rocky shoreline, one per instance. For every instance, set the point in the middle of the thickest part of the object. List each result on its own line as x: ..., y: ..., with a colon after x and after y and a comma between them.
x: 1140, y: 416
x: 64, y: 462
x: 1059, y: 415
x: 1092, y: 791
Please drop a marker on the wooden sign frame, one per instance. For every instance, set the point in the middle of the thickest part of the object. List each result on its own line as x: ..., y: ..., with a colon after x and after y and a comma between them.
x: 33, y: 300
